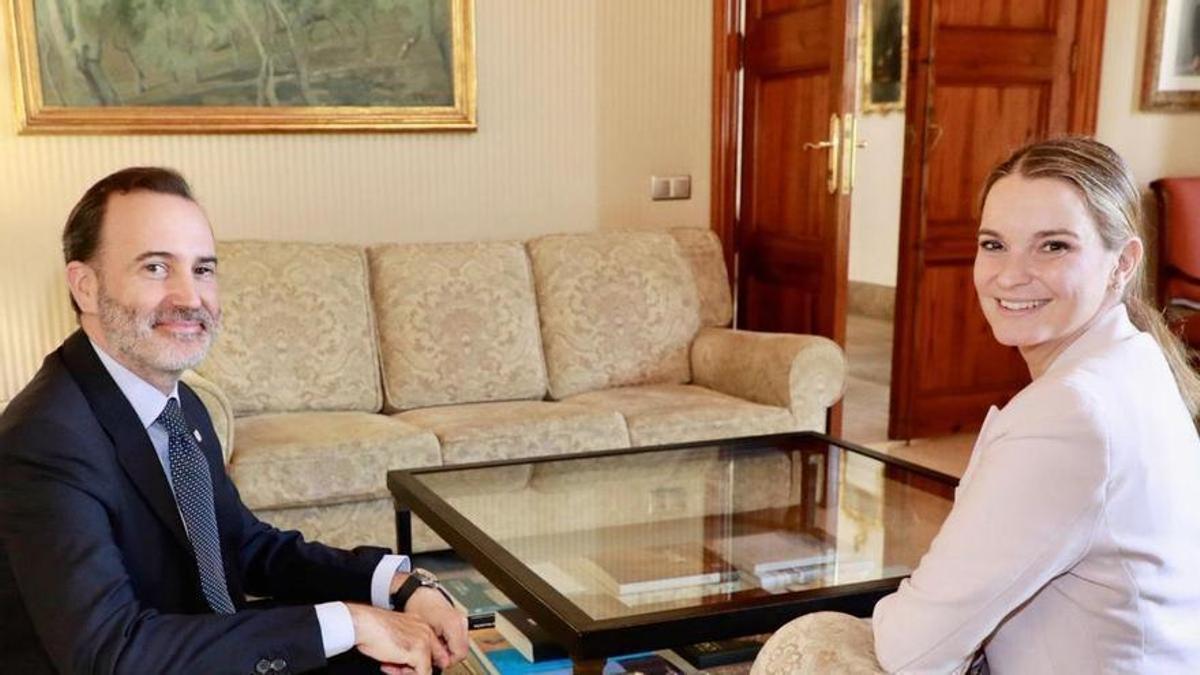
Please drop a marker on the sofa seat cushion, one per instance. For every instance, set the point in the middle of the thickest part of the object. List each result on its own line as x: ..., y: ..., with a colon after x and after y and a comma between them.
x: 679, y: 413
x: 312, y: 458
x: 457, y: 323
x: 481, y: 432
x: 297, y: 329
x: 617, y: 309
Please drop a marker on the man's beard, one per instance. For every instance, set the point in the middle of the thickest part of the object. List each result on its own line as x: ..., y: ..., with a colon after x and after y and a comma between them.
x: 133, y: 337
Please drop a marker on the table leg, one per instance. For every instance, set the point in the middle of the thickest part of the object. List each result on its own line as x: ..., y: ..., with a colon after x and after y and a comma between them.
x: 404, y: 543
x: 588, y: 666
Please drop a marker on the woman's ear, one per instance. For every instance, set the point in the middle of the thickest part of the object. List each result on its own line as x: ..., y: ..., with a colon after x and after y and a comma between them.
x: 84, y: 286
x: 1127, y: 263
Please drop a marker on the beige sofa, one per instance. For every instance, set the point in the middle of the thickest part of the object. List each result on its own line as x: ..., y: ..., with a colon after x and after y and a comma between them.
x: 338, y: 363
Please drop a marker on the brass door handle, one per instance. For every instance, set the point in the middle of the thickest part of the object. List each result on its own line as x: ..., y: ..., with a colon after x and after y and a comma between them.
x: 834, y: 146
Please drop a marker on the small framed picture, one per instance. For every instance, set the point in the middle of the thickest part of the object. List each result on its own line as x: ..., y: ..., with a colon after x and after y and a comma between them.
x: 1171, y: 81
x: 884, y: 50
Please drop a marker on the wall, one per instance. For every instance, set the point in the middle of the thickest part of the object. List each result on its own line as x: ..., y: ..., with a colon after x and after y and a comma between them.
x: 875, y: 203
x: 579, y: 102
x: 1154, y: 144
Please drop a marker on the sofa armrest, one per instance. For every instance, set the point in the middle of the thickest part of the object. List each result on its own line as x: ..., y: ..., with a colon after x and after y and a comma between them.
x: 218, y: 406
x: 823, y: 642
x: 803, y: 373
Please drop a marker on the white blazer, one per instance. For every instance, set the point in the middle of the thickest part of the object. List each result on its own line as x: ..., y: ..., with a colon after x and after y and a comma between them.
x: 1074, y: 541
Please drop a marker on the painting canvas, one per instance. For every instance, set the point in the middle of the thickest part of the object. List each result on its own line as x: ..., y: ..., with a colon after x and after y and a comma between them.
x: 1171, y: 80
x: 884, y: 54
x: 237, y: 65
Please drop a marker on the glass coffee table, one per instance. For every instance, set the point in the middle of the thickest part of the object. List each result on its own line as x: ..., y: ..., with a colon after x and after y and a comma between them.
x: 650, y: 548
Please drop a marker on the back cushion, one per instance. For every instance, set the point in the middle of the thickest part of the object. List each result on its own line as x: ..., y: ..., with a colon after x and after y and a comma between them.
x: 297, y: 329
x: 457, y: 323
x: 703, y: 251
x: 617, y: 308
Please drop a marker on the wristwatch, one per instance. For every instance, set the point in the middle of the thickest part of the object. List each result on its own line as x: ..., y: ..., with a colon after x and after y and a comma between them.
x: 417, y: 578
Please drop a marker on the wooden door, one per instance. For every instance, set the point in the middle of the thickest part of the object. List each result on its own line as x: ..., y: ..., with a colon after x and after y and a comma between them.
x: 986, y: 77
x: 797, y: 163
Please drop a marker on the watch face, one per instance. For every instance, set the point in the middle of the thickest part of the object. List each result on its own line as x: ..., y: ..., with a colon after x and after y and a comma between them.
x: 427, y: 578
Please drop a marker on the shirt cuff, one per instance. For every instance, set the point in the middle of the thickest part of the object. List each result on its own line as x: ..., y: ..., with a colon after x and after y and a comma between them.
x: 381, y: 580
x: 337, y: 628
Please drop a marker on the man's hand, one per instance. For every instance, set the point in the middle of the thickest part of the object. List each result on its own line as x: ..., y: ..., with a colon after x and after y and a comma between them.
x: 447, y: 622
x: 402, y: 642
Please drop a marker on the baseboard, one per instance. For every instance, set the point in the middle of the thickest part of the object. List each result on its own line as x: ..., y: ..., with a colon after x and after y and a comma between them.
x: 874, y: 300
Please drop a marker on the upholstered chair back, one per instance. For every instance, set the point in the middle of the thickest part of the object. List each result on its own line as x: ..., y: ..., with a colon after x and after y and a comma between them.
x: 617, y: 308
x: 703, y: 251
x: 298, y: 332
x: 458, y: 323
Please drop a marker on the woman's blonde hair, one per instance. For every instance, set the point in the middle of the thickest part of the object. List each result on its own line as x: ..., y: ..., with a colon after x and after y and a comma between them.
x: 1112, y: 197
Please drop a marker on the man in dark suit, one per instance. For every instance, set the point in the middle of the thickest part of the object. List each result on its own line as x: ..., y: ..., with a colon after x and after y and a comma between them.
x: 125, y: 546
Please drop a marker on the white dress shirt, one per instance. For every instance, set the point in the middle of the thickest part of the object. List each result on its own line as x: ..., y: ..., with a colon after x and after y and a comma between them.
x: 337, y: 629
x: 1074, y: 541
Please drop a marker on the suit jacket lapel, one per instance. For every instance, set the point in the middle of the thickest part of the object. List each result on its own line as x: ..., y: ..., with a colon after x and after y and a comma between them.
x: 116, y: 415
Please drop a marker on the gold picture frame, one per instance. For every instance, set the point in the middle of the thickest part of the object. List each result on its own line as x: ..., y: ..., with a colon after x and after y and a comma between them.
x: 433, y: 90
x: 1171, y: 75
x: 883, y: 49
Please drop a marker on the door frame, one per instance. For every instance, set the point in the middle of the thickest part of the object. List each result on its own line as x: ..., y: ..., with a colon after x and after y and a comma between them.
x: 726, y: 128
x: 1085, y: 92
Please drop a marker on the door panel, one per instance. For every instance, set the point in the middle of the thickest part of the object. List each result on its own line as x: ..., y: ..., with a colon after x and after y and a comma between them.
x: 793, y: 236
x: 987, y: 77
x: 792, y: 232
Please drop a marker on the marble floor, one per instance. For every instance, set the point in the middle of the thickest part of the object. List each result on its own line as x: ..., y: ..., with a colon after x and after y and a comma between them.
x: 865, y: 410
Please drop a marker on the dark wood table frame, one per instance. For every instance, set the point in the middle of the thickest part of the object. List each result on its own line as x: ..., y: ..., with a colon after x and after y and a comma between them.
x: 589, y: 641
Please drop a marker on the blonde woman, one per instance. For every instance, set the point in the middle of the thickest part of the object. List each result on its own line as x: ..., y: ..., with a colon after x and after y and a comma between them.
x: 1074, y: 541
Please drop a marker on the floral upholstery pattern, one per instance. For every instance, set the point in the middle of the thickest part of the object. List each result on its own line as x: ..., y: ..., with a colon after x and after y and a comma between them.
x: 819, y: 643
x: 480, y: 432
x: 457, y: 323
x: 617, y: 308
x: 306, y: 459
x: 703, y: 251
x: 220, y: 410
x: 366, y: 523
x: 678, y: 413
x: 803, y: 373
x: 297, y: 329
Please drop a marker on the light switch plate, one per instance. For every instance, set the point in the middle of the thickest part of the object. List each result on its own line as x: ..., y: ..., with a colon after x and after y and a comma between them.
x: 681, y: 187
x: 670, y: 187
x: 660, y: 188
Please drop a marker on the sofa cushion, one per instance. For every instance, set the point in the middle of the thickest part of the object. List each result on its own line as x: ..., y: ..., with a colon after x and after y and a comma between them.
x: 457, y: 323
x: 517, y: 429
x: 675, y: 413
x: 617, y: 308
x: 310, y: 458
x: 297, y: 329
x: 702, y: 249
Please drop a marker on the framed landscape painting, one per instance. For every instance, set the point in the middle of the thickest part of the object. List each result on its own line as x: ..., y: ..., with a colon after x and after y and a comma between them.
x: 203, y: 66
x: 1171, y: 81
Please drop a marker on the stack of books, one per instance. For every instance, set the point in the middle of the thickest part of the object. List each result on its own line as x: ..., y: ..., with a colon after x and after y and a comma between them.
x: 779, y: 560
x: 492, y: 653
x: 660, y: 573
x: 478, y: 599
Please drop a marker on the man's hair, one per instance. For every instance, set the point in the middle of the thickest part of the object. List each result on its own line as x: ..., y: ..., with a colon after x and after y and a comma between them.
x: 81, y: 235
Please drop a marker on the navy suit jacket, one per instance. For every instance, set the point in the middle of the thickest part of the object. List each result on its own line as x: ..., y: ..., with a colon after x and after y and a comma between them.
x: 96, y: 572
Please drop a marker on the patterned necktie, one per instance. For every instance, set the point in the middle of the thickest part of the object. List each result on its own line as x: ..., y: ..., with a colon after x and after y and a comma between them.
x: 194, y: 496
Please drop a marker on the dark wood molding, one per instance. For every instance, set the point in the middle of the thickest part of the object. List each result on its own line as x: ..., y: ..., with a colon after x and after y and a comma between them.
x: 1089, y: 48
x: 726, y: 62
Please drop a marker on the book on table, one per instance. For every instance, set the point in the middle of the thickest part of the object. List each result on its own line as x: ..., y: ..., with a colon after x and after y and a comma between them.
x: 659, y: 568
x: 497, y: 657
x: 477, y: 598
x: 715, y: 653
x: 527, y: 636
x: 761, y: 553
